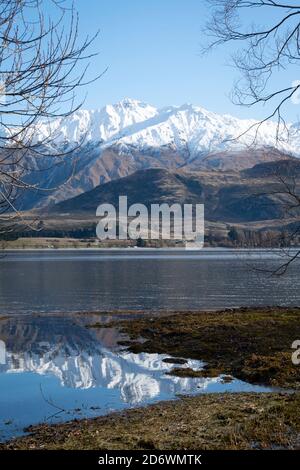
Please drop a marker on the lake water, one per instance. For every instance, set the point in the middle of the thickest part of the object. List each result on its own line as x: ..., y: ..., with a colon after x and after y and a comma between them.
x: 68, y: 281
x: 53, y: 368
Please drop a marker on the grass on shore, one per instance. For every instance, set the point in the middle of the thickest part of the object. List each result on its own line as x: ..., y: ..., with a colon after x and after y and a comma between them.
x: 254, y: 345
x: 222, y: 421
x: 251, y: 344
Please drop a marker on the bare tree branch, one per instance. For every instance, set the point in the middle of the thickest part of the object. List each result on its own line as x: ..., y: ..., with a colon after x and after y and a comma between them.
x: 262, y: 52
x: 42, y: 65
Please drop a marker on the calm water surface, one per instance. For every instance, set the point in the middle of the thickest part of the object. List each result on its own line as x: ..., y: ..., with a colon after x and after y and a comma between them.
x: 53, y: 368
x: 68, y: 281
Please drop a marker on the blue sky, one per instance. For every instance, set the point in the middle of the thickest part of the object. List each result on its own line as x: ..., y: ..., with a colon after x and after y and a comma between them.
x: 152, y: 51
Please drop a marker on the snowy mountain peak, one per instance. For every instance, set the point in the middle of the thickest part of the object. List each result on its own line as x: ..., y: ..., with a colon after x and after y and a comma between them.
x: 186, y: 128
x: 131, y: 135
x: 131, y: 103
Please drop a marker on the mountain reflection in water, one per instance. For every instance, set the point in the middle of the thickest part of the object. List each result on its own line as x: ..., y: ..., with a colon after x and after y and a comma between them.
x: 56, y: 369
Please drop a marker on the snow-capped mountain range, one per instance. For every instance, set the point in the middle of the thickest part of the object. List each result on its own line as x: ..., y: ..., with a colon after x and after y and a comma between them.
x: 190, y: 128
x: 120, y: 139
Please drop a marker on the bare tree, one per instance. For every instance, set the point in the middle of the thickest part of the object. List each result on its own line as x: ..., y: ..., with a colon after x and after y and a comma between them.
x: 263, y: 51
x: 286, y: 190
x: 41, y: 68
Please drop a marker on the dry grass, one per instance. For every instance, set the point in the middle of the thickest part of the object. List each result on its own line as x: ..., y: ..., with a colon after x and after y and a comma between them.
x: 251, y: 344
x: 215, y: 421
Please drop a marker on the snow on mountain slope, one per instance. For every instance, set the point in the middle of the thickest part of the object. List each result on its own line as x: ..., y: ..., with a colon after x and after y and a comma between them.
x: 120, y: 139
x: 131, y: 123
x: 97, y: 125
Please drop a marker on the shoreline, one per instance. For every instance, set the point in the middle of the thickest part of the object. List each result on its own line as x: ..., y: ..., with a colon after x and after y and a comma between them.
x: 227, y: 421
x: 225, y: 342
x: 150, y: 249
x: 250, y: 344
x: 49, y: 244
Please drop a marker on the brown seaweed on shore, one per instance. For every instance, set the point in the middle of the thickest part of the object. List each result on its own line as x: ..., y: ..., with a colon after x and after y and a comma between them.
x: 251, y: 344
